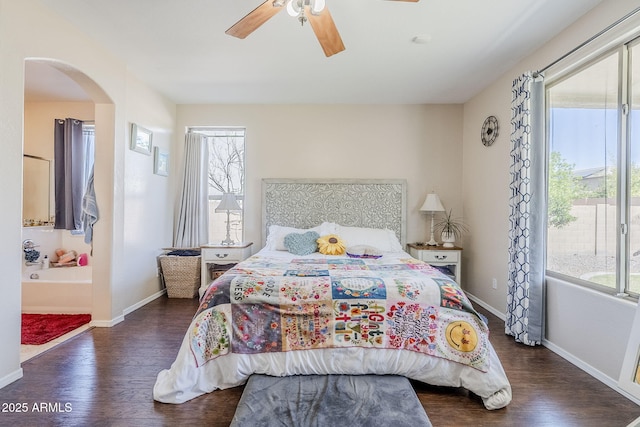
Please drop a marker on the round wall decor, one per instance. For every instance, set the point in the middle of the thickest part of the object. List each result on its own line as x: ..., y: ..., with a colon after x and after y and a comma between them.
x: 489, y: 130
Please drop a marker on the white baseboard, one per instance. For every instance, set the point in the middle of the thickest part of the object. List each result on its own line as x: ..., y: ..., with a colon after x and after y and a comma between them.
x: 144, y: 302
x: 606, y: 380
x: 128, y: 310
x: 107, y: 323
x: 17, y: 374
x: 487, y: 307
x: 635, y: 423
x: 13, y: 376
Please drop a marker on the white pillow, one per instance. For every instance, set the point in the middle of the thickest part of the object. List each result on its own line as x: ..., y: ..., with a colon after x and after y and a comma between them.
x: 275, y: 238
x: 383, y: 239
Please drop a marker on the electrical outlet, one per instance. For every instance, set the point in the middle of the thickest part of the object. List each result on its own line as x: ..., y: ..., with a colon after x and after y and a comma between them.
x: 494, y: 283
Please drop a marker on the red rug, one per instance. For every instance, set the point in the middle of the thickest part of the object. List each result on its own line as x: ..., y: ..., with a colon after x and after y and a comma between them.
x: 41, y: 328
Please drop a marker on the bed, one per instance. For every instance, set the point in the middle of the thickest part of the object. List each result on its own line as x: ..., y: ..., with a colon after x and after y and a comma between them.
x: 291, y: 310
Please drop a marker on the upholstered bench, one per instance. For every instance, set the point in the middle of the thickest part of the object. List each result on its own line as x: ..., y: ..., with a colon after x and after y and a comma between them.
x: 329, y: 400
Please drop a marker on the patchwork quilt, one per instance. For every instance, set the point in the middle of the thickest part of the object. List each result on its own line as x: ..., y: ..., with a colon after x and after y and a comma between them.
x: 274, y: 305
x: 282, y: 315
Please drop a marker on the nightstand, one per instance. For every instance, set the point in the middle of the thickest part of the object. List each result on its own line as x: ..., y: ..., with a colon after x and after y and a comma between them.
x: 221, y: 258
x: 439, y: 256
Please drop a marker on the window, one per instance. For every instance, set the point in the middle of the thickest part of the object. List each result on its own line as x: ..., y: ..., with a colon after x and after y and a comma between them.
x: 88, y: 137
x: 593, y: 134
x: 226, y: 175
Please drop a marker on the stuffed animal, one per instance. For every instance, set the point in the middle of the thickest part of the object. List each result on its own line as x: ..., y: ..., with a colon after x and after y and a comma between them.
x: 66, y: 257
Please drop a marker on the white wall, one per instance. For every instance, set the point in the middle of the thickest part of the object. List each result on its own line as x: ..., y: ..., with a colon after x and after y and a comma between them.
x: 148, y: 214
x: 585, y: 328
x: 419, y: 143
x: 49, y: 240
x: 122, y: 276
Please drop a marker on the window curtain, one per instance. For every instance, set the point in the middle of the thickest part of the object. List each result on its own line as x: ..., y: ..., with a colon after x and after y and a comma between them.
x: 525, y: 298
x: 192, y: 222
x: 69, y: 170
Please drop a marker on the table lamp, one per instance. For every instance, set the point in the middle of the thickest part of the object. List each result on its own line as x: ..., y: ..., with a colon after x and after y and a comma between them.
x: 228, y: 204
x: 432, y: 204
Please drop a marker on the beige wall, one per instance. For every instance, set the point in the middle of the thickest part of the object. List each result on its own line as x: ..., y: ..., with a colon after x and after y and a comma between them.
x: 38, y: 123
x: 38, y: 141
x: 574, y: 316
x: 419, y: 143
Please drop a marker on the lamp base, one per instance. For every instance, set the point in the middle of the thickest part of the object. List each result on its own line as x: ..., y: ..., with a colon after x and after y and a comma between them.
x: 432, y: 239
x: 228, y: 240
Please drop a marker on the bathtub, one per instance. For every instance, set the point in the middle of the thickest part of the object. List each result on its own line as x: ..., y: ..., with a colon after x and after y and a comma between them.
x: 57, y: 290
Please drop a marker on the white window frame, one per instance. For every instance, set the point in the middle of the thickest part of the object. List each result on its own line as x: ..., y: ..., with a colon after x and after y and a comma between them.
x: 221, y: 131
x: 623, y: 202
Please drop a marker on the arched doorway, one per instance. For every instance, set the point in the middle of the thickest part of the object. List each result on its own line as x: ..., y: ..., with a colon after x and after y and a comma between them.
x: 49, y: 80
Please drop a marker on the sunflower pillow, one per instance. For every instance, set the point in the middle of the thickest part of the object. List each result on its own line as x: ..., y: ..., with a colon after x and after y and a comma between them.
x: 331, y: 244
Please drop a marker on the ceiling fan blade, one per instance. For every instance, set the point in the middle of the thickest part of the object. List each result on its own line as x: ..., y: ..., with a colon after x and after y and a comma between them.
x: 326, y: 32
x: 254, y: 19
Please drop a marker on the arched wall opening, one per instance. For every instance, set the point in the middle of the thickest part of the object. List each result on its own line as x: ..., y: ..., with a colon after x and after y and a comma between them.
x: 102, y: 246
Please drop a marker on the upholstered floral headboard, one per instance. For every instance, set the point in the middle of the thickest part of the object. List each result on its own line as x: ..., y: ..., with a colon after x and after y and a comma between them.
x: 305, y: 203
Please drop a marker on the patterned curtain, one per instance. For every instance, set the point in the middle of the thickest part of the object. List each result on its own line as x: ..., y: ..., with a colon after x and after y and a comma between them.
x: 192, y: 222
x: 525, y: 299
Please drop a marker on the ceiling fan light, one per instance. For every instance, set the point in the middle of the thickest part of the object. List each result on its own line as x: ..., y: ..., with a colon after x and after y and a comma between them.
x: 293, y: 8
x: 317, y: 6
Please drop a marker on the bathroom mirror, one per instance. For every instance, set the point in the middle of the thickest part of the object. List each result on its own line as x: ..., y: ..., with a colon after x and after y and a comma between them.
x: 37, y: 201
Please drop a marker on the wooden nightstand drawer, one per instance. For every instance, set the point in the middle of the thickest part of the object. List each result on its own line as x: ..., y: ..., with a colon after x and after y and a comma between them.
x: 440, y: 256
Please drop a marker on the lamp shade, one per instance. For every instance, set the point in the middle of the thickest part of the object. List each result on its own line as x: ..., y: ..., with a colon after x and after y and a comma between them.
x: 432, y: 203
x: 228, y: 203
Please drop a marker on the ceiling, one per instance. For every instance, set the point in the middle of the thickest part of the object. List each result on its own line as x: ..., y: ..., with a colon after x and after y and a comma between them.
x: 180, y: 48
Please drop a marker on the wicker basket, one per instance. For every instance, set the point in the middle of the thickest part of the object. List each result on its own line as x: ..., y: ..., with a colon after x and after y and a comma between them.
x: 181, y: 275
x: 217, y: 270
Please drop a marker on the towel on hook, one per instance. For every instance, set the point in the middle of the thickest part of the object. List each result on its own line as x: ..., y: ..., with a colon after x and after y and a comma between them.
x: 89, y: 209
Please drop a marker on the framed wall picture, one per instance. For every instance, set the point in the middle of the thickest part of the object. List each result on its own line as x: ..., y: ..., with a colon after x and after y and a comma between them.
x: 160, y: 162
x: 629, y: 379
x: 141, y: 139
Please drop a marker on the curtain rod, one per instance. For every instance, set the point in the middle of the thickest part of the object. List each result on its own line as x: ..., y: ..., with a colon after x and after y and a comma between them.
x: 589, y: 40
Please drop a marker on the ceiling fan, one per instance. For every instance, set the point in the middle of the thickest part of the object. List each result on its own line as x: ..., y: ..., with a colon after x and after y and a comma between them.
x: 314, y: 11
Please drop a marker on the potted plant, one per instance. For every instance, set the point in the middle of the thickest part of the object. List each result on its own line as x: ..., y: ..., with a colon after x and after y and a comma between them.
x: 451, y: 229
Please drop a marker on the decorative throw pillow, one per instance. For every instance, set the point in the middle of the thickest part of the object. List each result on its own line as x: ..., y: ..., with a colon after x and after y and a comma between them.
x: 383, y: 239
x: 363, y: 251
x: 331, y: 244
x: 301, y: 243
x: 275, y: 238
x: 277, y: 233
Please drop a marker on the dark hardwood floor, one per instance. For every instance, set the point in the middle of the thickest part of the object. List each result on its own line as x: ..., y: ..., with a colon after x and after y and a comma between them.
x: 104, y: 377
